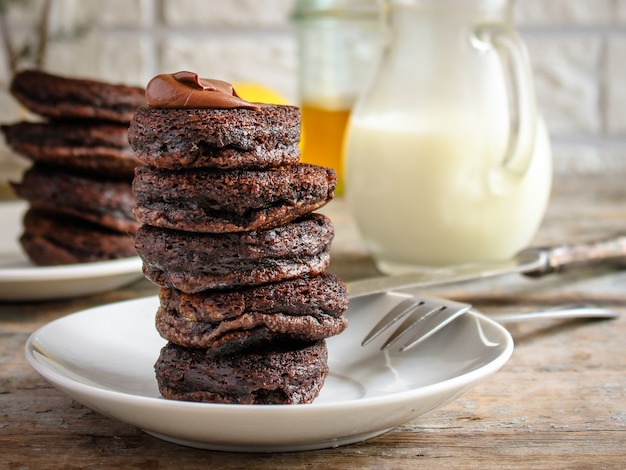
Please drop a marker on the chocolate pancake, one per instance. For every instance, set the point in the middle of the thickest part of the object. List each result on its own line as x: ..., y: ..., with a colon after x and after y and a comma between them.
x: 227, y: 158
x: 285, y: 373
x: 53, y: 239
x: 220, y: 138
x: 107, y: 203
x: 193, y: 262
x: 99, y: 149
x: 56, y: 96
x: 215, y: 201
x: 307, y: 308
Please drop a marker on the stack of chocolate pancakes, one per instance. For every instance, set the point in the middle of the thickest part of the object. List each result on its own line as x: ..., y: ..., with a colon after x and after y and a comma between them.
x: 230, y: 235
x: 79, y: 185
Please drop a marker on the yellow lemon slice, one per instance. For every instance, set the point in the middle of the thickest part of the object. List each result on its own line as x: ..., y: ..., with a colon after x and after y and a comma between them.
x: 257, y: 93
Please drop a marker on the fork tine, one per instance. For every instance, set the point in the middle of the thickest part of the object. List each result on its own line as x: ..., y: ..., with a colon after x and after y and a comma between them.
x: 392, y: 317
x: 418, y: 314
x: 423, y: 317
x: 431, y: 324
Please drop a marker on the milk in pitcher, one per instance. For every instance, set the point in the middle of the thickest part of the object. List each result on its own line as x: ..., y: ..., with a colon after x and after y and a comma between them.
x: 424, y: 199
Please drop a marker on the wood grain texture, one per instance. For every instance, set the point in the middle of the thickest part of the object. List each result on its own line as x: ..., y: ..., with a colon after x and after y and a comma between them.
x: 560, y: 401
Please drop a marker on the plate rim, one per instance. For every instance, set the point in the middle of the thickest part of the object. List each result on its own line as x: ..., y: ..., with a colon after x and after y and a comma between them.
x: 35, y: 273
x: 95, y: 269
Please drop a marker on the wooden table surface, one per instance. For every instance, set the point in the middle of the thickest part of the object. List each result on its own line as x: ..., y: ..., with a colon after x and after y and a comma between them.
x: 559, y: 402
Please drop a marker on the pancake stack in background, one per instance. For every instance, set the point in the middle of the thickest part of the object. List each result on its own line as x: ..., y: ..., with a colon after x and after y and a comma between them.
x: 230, y: 236
x: 79, y: 185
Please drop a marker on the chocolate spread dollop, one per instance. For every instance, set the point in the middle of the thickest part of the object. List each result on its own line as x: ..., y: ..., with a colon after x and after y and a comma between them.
x: 187, y: 90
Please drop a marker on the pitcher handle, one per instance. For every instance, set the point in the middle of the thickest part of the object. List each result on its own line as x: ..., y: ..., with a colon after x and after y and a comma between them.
x: 519, y: 151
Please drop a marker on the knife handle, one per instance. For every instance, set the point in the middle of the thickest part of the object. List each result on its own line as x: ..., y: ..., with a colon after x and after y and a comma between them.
x: 560, y: 257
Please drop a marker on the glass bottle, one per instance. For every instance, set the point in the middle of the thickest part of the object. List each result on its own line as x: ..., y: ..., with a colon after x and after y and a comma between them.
x: 337, y: 43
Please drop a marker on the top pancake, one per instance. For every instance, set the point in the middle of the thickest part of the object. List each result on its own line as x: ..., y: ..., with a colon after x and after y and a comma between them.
x: 216, y: 138
x: 55, y: 96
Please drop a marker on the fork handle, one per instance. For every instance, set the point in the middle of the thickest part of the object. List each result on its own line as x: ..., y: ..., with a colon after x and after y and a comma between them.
x: 558, y: 313
x: 560, y: 257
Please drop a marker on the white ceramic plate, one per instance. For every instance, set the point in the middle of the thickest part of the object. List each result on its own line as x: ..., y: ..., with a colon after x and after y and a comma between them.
x: 104, y: 356
x: 20, y: 280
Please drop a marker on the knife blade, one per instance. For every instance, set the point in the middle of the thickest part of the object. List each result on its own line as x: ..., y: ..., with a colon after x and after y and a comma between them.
x: 532, y: 262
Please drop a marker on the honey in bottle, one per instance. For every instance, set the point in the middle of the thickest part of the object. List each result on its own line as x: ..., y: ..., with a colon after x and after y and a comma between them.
x: 337, y: 43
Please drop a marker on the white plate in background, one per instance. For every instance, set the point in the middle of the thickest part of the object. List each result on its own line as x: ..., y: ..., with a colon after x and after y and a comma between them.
x: 20, y: 280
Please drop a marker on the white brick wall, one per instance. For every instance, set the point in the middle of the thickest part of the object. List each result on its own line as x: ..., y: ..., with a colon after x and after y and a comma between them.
x: 252, y: 14
x: 579, y: 60
x: 553, y: 13
x: 567, y: 81
x: 577, y: 48
x: 615, y: 98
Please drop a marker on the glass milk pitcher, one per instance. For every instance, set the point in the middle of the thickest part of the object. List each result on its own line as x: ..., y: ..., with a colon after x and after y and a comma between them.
x: 447, y: 159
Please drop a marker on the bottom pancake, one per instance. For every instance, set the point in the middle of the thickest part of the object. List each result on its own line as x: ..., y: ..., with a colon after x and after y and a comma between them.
x: 51, y: 239
x: 288, y: 373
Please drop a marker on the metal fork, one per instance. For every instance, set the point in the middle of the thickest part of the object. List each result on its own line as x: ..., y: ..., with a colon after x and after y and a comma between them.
x: 425, y: 316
